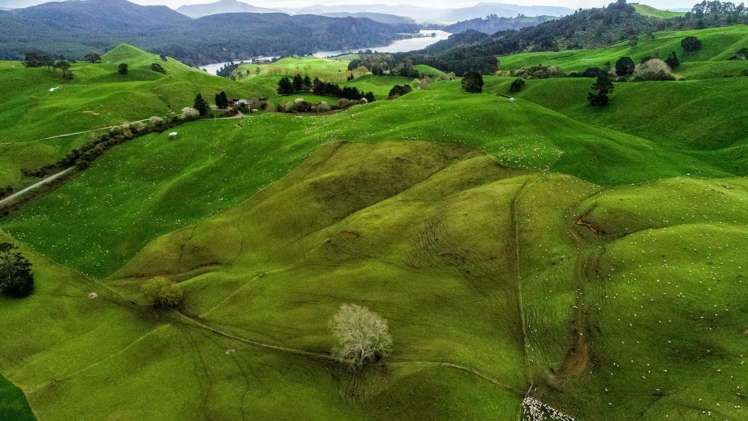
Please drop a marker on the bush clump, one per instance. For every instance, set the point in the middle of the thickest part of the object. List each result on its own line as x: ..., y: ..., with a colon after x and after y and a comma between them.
x: 625, y: 66
x: 16, y: 277
x: 653, y: 69
x: 517, y: 85
x: 690, y: 44
x: 398, y: 91
x: 189, y: 113
x: 362, y: 336
x: 472, y: 82
x: 162, y: 293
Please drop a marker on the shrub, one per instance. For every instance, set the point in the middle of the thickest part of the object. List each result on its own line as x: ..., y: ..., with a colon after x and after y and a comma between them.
x: 123, y: 69
x: 598, y: 94
x: 323, y: 107
x: 517, y: 85
x: 653, y: 69
x: 538, y: 72
x: 399, y: 90
x: 625, y: 66
x: 16, y: 277
x: 362, y: 336
x: 222, y: 100
x: 742, y: 54
x: 285, y: 87
x: 672, y: 60
x: 690, y: 44
x: 163, y: 293
x: 472, y: 82
x: 201, y: 105
x: 189, y: 113
x: 157, y: 67
x: 156, y: 121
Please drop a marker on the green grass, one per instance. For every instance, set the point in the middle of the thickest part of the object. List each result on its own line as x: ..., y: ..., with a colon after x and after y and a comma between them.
x: 652, y: 12
x: 328, y: 69
x: 157, y: 185
x: 386, y: 225
x: 13, y: 405
x: 719, y: 45
x: 97, y: 97
x: 596, y: 254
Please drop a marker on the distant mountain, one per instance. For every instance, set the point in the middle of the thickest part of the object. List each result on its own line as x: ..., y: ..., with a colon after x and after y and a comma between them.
x: 376, y: 17
x: 441, y: 16
x: 18, y: 4
x: 101, y: 15
x: 221, y: 6
x: 76, y: 27
x: 492, y: 24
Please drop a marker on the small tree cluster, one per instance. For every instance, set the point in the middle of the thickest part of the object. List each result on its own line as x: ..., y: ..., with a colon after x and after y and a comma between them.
x: 37, y: 59
x: 201, y: 105
x: 162, y: 293
x: 599, y: 91
x: 222, y: 101
x: 690, y: 44
x: 157, y: 67
x: 625, y: 66
x: 398, y: 91
x: 472, y: 82
x: 123, y: 69
x: 362, y: 336
x: 672, y: 60
x: 93, y: 57
x: 517, y: 85
x: 16, y: 277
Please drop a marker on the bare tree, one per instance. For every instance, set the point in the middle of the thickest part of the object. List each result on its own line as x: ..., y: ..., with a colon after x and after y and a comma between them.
x: 362, y: 336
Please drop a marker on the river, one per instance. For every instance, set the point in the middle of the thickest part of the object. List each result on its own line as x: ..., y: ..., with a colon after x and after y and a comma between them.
x: 426, y: 38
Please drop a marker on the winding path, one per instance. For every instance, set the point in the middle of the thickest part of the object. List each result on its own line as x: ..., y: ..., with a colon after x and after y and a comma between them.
x: 13, y: 198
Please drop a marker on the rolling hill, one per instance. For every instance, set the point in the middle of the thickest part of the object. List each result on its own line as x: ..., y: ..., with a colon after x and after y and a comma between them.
x: 535, y: 257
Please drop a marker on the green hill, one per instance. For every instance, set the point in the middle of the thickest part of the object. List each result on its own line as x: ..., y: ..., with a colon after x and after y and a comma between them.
x: 652, y: 12
x: 713, y: 60
x: 37, y: 104
x: 525, y: 248
x: 525, y: 295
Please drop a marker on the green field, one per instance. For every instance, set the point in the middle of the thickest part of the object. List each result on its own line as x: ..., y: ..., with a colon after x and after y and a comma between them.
x: 37, y: 104
x: 712, y: 61
x: 519, y: 245
x: 652, y: 12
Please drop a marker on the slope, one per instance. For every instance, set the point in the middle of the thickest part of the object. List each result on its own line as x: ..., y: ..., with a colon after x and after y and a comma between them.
x: 156, y: 185
x: 38, y: 104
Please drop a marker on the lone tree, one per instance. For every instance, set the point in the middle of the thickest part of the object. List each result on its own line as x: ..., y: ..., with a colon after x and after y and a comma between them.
x: 472, y: 82
x: 362, y: 336
x: 162, y: 293
x: 93, y: 57
x: 625, y: 66
x: 201, y: 105
x: 285, y: 87
x: 222, y: 101
x: 598, y: 95
x: 122, y: 69
x: 16, y: 277
x: 690, y: 44
x: 517, y: 85
x: 672, y: 60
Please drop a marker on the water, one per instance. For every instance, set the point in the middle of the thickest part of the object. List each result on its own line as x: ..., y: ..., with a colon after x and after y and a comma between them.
x: 428, y: 37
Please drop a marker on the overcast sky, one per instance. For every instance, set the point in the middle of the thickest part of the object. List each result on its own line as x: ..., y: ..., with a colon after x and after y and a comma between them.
x: 573, y: 4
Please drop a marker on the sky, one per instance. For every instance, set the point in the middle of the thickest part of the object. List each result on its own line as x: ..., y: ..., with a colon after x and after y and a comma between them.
x: 572, y: 4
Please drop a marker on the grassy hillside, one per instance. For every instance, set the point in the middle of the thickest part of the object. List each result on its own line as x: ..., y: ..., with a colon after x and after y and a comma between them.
x: 519, y: 245
x: 652, y: 12
x: 719, y: 45
x: 161, y: 185
x: 480, y: 307
x: 37, y: 104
